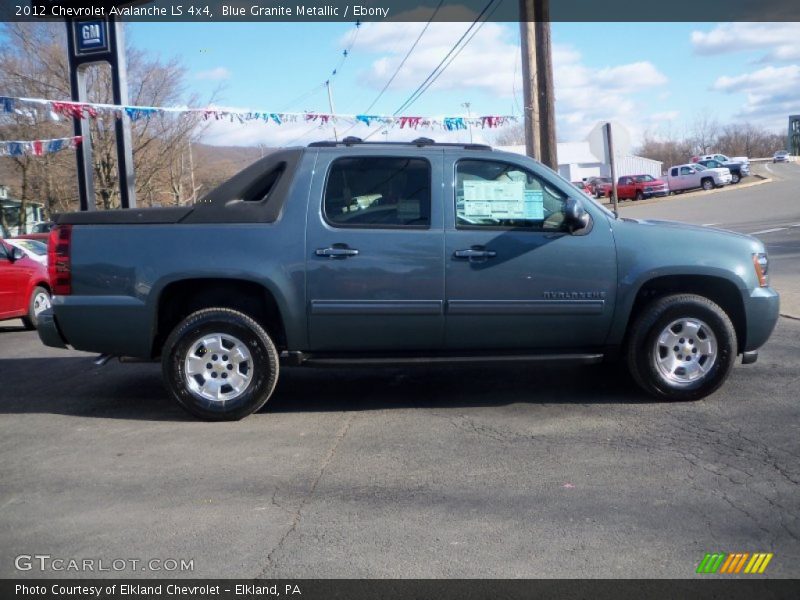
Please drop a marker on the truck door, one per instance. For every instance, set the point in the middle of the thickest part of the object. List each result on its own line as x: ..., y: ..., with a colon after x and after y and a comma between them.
x: 515, y: 278
x: 625, y: 188
x: 375, y: 273
x: 689, y: 179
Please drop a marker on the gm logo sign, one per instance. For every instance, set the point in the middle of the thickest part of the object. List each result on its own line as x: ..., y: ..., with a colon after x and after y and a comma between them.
x: 91, y: 37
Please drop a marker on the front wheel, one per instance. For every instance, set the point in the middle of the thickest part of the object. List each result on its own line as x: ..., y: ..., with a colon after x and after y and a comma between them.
x: 39, y: 302
x: 220, y: 365
x: 708, y: 184
x: 735, y: 178
x: 639, y: 196
x: 682, y: 347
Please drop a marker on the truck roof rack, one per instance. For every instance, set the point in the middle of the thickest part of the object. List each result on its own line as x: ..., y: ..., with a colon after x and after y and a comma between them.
x: 419, y: 142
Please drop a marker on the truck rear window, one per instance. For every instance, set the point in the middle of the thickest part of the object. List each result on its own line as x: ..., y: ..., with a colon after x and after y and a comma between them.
x: 378, y: 192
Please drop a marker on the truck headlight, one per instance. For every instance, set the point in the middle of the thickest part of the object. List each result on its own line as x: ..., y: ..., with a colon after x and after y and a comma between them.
x: 761, y: 265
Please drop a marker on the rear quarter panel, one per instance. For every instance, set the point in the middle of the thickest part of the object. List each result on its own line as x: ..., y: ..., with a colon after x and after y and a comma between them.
x: 120, y: 271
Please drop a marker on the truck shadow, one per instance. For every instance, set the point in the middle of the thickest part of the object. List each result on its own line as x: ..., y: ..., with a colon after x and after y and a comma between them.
x: 76, y: 387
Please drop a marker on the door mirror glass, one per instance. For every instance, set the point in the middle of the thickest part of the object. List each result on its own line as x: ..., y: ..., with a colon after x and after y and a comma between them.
x: 16, y: 254
x: 575, y: 216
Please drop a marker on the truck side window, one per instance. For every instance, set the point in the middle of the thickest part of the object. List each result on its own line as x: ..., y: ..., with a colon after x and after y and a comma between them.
x: 378, y: 192
x: 498, y: 194
x: 673, y: 173
x: 686, y: 171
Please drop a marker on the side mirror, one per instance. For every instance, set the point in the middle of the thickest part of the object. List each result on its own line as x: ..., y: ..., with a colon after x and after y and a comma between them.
x: 15, y: 254
x: 575, y: 216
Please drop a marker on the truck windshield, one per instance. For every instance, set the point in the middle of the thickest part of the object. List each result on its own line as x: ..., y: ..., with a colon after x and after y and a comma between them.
x: 644, y: 178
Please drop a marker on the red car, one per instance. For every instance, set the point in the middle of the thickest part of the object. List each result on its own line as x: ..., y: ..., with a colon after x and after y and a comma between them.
x: 24, y: 286
x: 638, y: 187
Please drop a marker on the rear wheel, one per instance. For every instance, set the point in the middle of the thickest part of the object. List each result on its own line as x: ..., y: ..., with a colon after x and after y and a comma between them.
x: 682, y: 347
x: 39, y: 302
x: 220, y: 365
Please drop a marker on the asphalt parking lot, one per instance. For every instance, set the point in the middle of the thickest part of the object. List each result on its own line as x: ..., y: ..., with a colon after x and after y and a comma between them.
x: 468, y: 472
x: 507, y: 471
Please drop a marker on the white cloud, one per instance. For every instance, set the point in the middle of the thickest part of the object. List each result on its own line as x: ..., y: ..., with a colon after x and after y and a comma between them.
x: 771, y: 93
x: 778, y: 40
x: 215, y: 74
x: 489, y: 62
x: 669, y: 115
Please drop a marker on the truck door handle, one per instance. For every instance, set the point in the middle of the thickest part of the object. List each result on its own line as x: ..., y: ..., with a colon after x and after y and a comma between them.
x: 336, y: 251
x: 475, y: 252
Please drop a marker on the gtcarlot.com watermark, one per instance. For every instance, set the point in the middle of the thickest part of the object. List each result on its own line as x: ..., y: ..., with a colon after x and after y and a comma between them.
x: 48, y: 563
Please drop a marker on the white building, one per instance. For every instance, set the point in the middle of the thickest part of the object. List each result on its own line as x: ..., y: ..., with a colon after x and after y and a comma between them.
x: 589, y: 158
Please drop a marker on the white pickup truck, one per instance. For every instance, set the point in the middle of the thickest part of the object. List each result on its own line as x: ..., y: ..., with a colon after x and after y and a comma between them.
x: 692, y: 176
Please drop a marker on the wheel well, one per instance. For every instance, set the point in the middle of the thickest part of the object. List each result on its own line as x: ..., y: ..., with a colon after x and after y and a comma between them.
x: 180, y: 299
x: 718, y: 290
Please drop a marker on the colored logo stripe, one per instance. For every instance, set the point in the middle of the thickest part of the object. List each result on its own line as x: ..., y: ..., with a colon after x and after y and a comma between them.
x: 733, y: 563
x: 711, y: 562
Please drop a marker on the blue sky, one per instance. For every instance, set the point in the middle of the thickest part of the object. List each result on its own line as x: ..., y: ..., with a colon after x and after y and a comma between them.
x: 648, y: 76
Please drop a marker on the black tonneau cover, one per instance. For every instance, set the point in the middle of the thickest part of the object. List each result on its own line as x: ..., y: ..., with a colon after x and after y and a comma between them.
x: 254, y: 195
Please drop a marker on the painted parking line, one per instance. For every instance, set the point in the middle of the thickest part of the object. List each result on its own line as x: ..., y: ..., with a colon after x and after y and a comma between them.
x: 767, y: 231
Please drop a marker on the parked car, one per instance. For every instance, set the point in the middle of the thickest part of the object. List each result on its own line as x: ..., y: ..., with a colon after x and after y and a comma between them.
x: 780, y: 156
x: 357, y: 253
x: 581, y: 185
x: 597, y: 185
x: 737, y: 169
x: 692, y: 176
x: 33, y: 249
x: 637, y: 187
x: 724, y: 159
x: 24, y: 286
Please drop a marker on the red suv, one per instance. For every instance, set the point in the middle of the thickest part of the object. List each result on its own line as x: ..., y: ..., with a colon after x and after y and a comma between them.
x: 24, y: 286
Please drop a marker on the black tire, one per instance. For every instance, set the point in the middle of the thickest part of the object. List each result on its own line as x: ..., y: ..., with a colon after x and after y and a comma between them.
x: 30, y: 321
x: 735, y: 178
x: 226, y: 322
x: 707, y: 183
x: 649, y: 325
x: 639, y: 196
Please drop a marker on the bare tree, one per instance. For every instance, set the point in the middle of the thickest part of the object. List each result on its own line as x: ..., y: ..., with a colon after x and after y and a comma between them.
x: 705, y: 132
x: 512, y: 135
x: 33, y: 63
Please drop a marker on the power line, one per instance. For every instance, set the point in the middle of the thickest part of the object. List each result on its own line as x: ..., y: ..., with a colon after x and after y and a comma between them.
x: 433, y: 74
x: 429, y: 81
x: 345, y: 55
x: 400, y: 66
x: 405, y: 58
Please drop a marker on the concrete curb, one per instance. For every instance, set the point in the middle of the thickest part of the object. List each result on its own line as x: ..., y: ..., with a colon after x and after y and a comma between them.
x: 698, y: 194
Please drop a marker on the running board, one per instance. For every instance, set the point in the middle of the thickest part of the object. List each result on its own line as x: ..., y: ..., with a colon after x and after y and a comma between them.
x: 300, y: 358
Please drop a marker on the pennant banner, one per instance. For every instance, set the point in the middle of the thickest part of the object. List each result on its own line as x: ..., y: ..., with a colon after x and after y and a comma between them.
x: 90, y: 110
x: 38, y: 147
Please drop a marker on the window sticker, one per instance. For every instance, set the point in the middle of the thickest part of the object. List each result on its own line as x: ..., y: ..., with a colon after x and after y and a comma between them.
x: 494, y: 199
x: 534, y: 205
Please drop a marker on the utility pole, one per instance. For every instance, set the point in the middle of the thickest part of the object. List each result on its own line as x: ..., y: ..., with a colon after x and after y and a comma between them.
x: 333, y: 111
x: 537, y: 85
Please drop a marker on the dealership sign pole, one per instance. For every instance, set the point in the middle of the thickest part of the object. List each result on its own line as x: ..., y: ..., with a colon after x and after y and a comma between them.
x: 89, y: 42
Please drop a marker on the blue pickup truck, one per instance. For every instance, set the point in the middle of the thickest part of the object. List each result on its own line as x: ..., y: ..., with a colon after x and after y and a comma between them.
x: 358, y: 253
